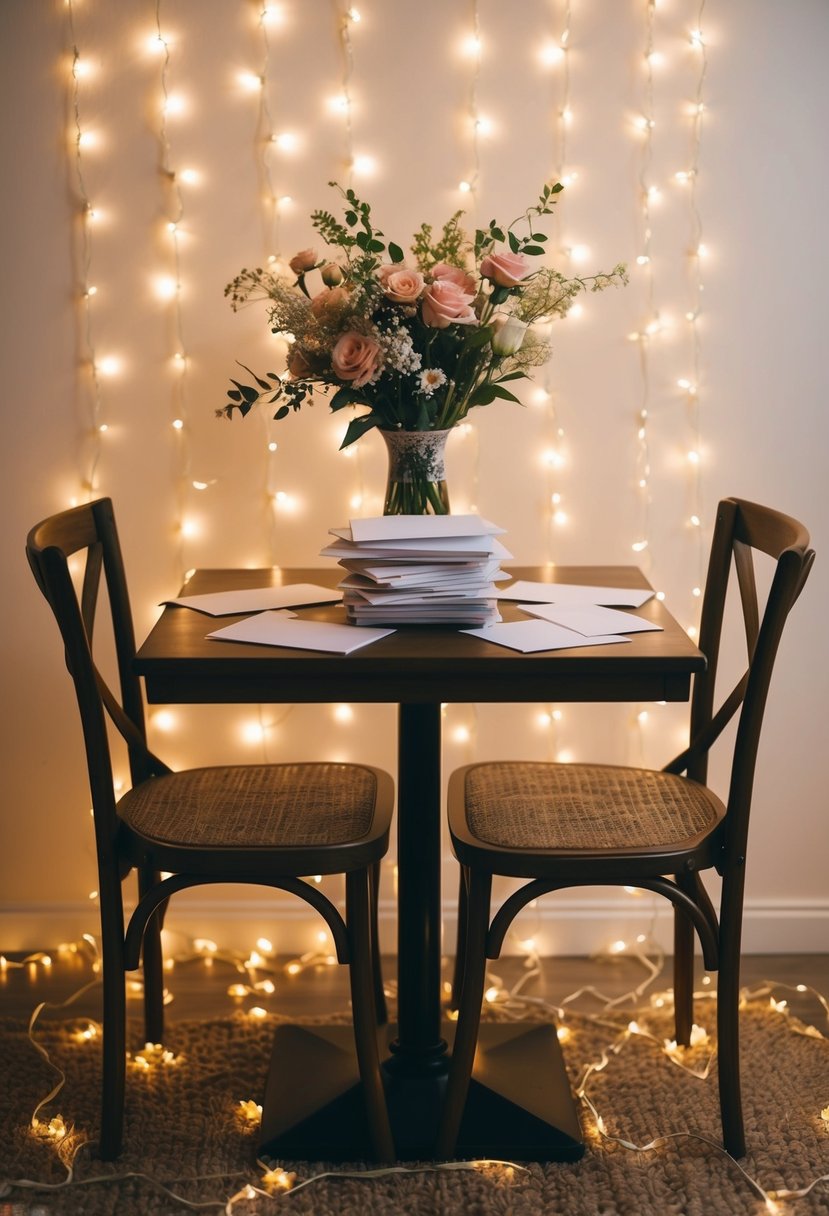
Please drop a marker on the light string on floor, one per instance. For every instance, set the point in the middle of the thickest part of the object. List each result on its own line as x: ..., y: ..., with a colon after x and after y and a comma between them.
x: 88, y: 363
x: 169, y: 289
x: 689, y: 385
x: 500, y: 1003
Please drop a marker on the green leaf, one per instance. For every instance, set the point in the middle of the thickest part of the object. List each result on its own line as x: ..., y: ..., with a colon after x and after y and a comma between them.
x: 358, y: 427
x: 538, y: 236
x: 250, y: 394
x: 263, y: 384
x: 533, y: 250
x: 347, y: 396
x: 505, y: 393
x: 395, y: 252
x: 234, y: 394
x: 514, y: 243
x: 376, y: 246
x: 351, y: 218
x: 496, y: 233
x: 282, y: 412
x: 511, y: 376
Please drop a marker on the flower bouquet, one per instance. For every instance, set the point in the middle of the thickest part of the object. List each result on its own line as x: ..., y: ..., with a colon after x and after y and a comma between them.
x: 417, y: 344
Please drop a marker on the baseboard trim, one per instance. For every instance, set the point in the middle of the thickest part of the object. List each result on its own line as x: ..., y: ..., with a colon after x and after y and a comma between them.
x: 559, y: 926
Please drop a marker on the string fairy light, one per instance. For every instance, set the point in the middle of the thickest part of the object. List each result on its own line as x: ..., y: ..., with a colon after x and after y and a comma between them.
x: 87, y: 356
x: 169, y: 288
x: 554, y: 448
x: 625, y: 1017
x: 690, y: 385
x: 645, y: 124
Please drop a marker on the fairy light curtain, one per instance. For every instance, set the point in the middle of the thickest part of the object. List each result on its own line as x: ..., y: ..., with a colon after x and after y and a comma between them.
x: 245, y: 117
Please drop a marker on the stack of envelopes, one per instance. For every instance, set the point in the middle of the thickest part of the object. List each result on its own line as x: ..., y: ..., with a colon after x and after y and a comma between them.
x: 419, y: 569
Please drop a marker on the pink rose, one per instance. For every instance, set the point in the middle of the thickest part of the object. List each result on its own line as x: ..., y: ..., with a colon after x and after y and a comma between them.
x: 506, y: 269
x: 454, y: 274
x: 446, y: 304
x: 400, y: 284
x: 306, y: 259
x: 328, y: 304
x: 355, y: 357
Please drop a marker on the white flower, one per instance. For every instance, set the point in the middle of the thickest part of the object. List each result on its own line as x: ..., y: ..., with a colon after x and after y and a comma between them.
x: 430, y: 379
x: 508, y: 334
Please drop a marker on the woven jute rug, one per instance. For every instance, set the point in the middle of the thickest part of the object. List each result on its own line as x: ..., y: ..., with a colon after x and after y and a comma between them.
x: 189, y: 1147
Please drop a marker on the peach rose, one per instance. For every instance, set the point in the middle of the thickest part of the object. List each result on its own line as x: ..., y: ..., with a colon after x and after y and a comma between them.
x: 446, y: 304
x: 306, y: 259
x: 298, y: 365
x: 331, y: 274
x: 505, y: 269
x: 464, y: 280
x: 328, y: 304
x: 355, y: 357
x: 400, y: 284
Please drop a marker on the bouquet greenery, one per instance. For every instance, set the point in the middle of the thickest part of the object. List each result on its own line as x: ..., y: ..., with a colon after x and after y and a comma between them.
x: 418, y: 345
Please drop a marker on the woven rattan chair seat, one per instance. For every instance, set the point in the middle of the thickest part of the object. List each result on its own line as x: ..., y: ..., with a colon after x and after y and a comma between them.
x: 249, y: 806
x: 525, y: 805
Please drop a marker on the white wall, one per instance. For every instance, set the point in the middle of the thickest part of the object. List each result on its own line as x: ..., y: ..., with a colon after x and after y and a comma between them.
x: 757, y: 350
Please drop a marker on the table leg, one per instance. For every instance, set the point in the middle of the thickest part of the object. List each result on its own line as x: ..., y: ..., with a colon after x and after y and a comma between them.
x: 419, y: 1047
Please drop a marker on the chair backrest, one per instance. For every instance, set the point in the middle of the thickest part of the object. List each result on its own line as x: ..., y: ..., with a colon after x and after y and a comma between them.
x: 743, y: 528
x: 89, y: 531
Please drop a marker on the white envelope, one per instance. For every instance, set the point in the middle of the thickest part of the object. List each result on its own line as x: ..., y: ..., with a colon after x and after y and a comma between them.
x: 570, y: 593
x: 275, y: 629
x: 591, y: 619
x: 530, y: 636
x: 258, y: 599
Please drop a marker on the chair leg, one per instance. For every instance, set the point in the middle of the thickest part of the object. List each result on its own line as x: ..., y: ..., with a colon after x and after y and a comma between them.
x: 114, y: 1053
x: 469, y: 1011
x: 728, y: 1019
x: 152, y: 963
x: 460, y: 945
x: 362, y: 976
x: 377, y: 968
x: 683, y: 977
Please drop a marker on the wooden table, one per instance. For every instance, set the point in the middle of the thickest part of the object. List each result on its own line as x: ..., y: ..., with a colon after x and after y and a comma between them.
x: 417, y: 668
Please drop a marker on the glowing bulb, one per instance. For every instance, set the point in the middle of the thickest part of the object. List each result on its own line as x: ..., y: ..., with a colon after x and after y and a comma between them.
x: 174, y: 104
x: 156, y: 44
x: 286, y: 141
x: 253, y: 732
x: 166, y: 288
x: 110, y: 365
x: 354, y: 16
x: 339, y: 103
x: 472, y: 46
x: 464, y: 187
x: 551, y: 53
x: 164, y: 720
x: 250, y: 81
x: 639, y: 545
x: 642, y: 260
x: 191, y: 176
x: 343, y: 713
x: 365, y: 164
x: 177, y: 424
x: 461, y: 734
x: 272, y: 446
x: 693, y: 456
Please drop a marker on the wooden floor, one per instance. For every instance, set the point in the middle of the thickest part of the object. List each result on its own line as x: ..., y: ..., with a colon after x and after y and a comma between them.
x: 200, y: 990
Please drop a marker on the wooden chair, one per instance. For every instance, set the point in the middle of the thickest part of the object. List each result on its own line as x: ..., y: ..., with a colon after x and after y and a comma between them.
x: 565, y: 825
x: 266, y: 824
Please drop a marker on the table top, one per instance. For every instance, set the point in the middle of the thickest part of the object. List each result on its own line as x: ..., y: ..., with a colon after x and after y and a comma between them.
x: 416, y: 663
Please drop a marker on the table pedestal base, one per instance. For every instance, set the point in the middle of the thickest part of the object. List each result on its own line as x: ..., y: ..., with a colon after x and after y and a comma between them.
x: 519, y: 1109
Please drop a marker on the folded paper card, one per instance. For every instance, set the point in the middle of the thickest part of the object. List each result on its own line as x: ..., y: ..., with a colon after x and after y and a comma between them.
x: 258, y: 599
x: 591, y: 619
x: 276, y: 629
x: 419, y: 527
x: 570, y: 593
x: 532, y: 636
